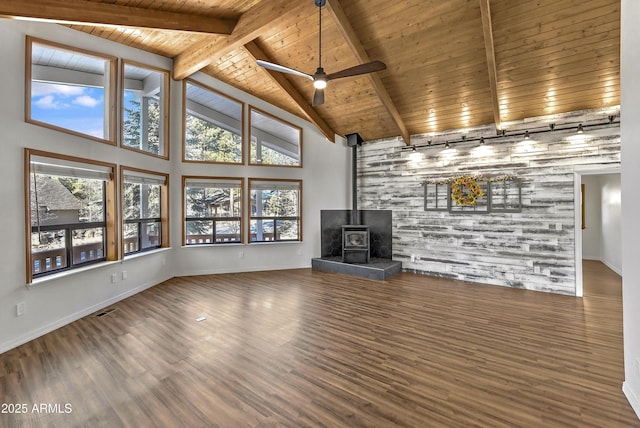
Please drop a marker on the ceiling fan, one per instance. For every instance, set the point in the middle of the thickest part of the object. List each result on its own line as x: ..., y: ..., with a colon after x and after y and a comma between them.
x: 320, y: 78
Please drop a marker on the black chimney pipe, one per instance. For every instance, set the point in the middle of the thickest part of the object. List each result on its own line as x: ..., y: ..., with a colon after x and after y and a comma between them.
x: 354, y: 140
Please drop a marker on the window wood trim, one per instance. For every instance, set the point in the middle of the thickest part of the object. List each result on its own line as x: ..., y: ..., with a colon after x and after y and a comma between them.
x: 112, y: 90
x: 165, y: 109
x: 164, y: 206
x: 264, y: 113
x: 243, y: 206
x: 111, y: 235
x: 248, y: 203
x: 243, y: 133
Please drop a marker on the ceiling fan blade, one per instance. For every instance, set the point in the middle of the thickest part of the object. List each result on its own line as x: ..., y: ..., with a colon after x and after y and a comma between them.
x: 369, y: 67
x: 318, y: 97
x: 282, y: 69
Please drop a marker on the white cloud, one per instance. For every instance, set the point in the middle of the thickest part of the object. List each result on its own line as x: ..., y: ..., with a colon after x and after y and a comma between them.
x: 86, y: 101
x: 48, y: 102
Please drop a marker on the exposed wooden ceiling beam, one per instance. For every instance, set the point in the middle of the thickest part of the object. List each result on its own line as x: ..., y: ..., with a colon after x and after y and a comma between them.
x: 258, y: 53
x: 351, y: 38
x: 93, y: 13
x: 487, y: 28
x: 252, y: 24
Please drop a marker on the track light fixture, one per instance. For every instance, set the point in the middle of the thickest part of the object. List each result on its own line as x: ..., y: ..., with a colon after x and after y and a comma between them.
x: 503, y: 133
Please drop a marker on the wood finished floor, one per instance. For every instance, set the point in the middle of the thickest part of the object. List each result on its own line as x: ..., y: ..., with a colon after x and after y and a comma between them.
x: 309, y: 348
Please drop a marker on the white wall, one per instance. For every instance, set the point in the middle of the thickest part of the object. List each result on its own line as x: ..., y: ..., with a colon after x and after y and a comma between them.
x: 602, y: 237
x: 592, y: 233
x: 630, y: 111
x: 611, y: 238
x: 66, y: 298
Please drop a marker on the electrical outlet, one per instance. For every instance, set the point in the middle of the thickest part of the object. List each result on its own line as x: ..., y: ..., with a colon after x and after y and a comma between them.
x: 21, y: 309
x: 114, y: 278
x: 241, y: 254
x: 413, y: 258
x: 124, y: 275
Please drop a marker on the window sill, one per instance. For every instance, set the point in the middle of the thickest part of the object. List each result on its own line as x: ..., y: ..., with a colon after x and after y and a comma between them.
x: 67, y: 273
x: 145, y: 253
x: 222, y: 245
x: 275, y: 242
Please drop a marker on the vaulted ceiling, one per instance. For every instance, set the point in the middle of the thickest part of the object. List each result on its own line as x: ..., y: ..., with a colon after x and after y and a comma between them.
x: 450, y: 64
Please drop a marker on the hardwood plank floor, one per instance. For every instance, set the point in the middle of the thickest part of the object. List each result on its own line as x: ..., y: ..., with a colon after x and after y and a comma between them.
x: 308, y: 348
x: 600, y: 281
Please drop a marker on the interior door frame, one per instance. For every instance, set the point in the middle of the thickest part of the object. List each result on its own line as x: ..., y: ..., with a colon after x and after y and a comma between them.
x: 577, y: 210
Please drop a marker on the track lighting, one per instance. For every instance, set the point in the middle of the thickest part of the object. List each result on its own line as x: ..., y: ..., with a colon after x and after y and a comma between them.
x: 526, y: 135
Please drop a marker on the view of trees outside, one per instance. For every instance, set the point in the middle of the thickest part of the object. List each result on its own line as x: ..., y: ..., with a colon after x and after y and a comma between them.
x: 205, y: 141
x: 269, y: 156
x: 270, y: 208
x: 218, y: 207
x: 132, y: 124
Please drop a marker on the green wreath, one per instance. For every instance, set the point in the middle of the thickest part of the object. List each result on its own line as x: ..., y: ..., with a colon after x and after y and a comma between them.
x: 465, y: 191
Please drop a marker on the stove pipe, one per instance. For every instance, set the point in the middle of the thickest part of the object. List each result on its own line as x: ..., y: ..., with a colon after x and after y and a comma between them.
x: 354, y: 140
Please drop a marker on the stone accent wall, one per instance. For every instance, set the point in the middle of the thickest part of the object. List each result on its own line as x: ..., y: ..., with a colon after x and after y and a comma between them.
x: 533, y: 249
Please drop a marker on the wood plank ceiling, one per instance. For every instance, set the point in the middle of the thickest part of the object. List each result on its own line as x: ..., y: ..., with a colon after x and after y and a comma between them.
x: 452, y: 64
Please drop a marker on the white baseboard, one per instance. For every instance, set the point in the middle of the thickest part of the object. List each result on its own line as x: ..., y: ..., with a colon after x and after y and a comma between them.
x: 614, y: 268
x: 634, y: 398
x: 34, y: 334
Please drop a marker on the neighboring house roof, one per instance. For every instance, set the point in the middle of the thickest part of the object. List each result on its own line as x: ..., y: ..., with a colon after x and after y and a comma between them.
x: 52, y: 195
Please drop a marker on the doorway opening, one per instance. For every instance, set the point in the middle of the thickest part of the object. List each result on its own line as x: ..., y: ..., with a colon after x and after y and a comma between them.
x: 598, y: 232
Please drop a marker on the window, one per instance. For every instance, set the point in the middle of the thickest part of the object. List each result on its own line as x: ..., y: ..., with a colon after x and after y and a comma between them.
x: 212, y: 210
x: 145, y: 109
x: 71, y: 90
x: 274, y: 141
x: 212, y: 126
x: 144, y: 210
x: 70, y: 204
x: 275, y: 210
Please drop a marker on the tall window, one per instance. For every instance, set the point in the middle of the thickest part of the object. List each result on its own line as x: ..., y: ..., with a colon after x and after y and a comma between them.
x: 71, y: 90
x: 274, y: 141
x: 145, y: 109
x: 276, y: 208
x: 145, y: 210
x: 212, y: 126
x: 212, y: 210
x: 69, y: 203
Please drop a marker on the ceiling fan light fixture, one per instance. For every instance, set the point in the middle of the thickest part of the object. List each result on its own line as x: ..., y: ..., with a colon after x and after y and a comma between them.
x: 320, y: 83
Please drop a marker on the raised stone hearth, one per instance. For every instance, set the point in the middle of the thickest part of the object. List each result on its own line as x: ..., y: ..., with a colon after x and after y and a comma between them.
x: 380, y: 269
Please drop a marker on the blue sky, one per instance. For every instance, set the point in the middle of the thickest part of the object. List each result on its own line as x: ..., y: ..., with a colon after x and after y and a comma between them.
x: 78, y: 108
